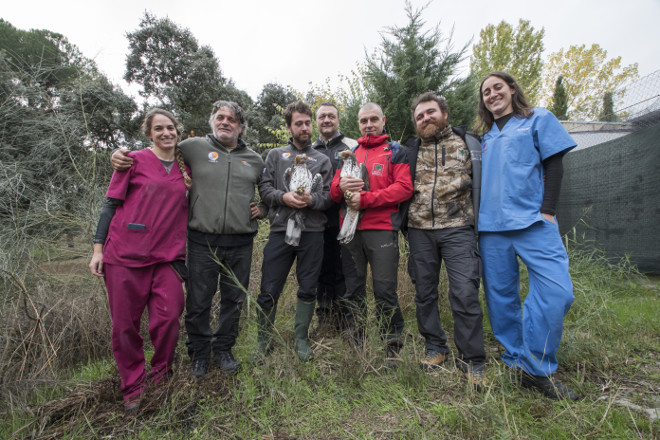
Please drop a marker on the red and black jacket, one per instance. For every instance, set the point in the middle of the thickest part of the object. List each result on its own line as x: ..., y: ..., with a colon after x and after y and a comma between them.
x: 390, y: 183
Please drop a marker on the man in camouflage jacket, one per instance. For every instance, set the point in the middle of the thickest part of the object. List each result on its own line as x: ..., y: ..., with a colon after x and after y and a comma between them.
x: 441, y: 226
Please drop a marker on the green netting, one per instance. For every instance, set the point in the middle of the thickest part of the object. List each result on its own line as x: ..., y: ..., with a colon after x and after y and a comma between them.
x: 611, y: 195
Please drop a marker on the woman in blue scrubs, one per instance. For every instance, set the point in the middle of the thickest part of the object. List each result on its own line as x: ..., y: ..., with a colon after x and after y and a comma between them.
x: 522, y: 151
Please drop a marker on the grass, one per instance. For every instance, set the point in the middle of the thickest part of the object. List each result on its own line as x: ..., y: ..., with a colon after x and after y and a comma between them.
x: 610, y: 354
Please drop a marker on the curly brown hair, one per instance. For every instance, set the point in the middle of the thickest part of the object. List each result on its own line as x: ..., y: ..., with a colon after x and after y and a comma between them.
x: 426, y: 97
x: 298, y: 106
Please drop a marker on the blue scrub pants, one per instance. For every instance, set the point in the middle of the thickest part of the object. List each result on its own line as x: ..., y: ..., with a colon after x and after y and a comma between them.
x: 531, y: 334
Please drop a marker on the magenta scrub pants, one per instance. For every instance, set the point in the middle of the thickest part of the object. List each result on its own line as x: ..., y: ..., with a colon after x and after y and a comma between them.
x: 130, y: 290
x: 530, y: 334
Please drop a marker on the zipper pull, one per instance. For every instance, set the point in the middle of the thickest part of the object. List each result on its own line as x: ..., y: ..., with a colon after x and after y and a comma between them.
x: 443, y: 155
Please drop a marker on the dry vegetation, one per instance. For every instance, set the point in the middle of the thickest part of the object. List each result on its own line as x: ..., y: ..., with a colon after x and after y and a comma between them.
x: 59, y: 380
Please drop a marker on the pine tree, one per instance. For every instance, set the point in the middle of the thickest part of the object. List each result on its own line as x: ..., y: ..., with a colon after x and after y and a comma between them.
x: 608, y: 114
x: 413, y: 62
x: 560, y: 100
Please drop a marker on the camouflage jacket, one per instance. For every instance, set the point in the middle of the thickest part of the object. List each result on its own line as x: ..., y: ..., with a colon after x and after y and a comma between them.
x: 442, y: 184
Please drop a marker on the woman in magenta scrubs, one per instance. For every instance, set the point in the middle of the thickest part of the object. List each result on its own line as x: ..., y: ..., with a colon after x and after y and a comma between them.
x: 139, y: 249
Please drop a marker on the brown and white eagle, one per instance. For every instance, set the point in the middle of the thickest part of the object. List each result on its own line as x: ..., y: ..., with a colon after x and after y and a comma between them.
x: 350, y: 168
x: 299, y: 179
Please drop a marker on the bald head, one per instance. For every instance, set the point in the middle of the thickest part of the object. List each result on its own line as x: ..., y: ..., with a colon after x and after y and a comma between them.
x: 371, y: 106
x: 371, y: 119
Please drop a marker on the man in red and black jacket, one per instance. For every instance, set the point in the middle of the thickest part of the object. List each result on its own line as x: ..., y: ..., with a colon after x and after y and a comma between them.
x: 376, y: 237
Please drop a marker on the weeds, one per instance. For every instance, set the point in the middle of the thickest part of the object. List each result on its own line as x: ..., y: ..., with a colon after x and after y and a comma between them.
x: 59, y: 380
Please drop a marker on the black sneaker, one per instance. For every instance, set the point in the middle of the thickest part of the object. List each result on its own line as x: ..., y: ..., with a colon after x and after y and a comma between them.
x: 354, y: 337
x: 392, y: 358
x: 198, y: 367
x: 549, y: 386
x: 226, y: 361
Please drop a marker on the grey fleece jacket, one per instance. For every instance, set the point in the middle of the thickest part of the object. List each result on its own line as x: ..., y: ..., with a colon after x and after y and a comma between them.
x: 272, y: 187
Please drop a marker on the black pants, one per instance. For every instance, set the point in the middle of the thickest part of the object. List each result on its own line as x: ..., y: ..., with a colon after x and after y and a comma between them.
x: 331, y: 286
x: 381, y: 250
x: 458, y: 248
x: 278, y: 259
x: 205, y: 265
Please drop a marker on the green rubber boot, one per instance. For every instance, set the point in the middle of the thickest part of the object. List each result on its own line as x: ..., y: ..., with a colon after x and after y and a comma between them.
x: 304, y: 314
x: 265, y: 325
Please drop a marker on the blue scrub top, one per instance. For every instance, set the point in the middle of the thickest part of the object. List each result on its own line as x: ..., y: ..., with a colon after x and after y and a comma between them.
x: 512, y: 169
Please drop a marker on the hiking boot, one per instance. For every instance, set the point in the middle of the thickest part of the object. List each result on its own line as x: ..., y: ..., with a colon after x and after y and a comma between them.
x: 549, y: 386
x: 304, y: 314
x: 226, y: 362
x: 132, y: 404
x: 433, y: 359
x: 198, y: 368
x: 475, y: 376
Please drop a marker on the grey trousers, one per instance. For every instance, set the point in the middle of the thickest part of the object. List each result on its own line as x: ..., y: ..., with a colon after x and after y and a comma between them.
x: 458, y: 248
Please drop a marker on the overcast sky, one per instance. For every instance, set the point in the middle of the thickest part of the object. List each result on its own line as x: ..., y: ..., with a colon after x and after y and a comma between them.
x: 297, y: 42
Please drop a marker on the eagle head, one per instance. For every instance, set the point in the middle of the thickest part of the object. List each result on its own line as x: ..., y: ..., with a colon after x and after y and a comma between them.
x: 346, y: 154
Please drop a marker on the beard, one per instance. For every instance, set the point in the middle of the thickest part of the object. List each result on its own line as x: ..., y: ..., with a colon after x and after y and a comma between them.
x: 302, y: 139
x: 432, y: 130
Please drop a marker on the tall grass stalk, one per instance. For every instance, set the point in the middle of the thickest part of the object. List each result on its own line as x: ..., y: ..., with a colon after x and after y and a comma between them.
x: 609, y: 353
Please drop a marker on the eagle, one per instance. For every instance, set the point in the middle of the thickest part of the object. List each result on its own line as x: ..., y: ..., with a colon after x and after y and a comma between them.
x: 299, y: 179
x: 350, y: 168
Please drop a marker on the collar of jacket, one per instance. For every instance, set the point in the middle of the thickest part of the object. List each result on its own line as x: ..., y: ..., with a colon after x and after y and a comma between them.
x: 370, y: 141
x: 304, y: 150
x: 217, y: 143
x: 335, y: 140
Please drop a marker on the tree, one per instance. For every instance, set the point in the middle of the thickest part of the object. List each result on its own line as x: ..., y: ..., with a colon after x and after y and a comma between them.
x: 517, y: 51
x: 462, y: 101
x: 608, y: 114
x: 58, y: 115
x: 176, y: 73
x: 266, y: 115
x: 559, y: 105
x: 587, y: 73
x: 42, y: 58
x: 413, y: 62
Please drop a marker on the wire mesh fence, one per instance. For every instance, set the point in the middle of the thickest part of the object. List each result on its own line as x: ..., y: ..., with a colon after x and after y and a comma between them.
x: 609, y: 191
x: 634, y: 106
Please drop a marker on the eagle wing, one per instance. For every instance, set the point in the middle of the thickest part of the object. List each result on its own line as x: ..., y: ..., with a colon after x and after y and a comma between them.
x: 299, y: 179
x: 350, y: 168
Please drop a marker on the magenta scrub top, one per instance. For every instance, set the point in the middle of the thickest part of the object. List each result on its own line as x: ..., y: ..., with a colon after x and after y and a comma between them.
x: 149, y: 227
